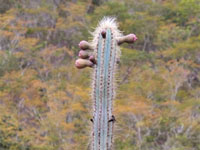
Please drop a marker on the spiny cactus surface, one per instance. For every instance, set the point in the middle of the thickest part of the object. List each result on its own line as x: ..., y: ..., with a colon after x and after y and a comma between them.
x: 103, y: 59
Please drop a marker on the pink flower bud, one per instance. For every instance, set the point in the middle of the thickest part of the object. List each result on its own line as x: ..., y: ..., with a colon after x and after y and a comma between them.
x: 85, y: 45
x: 82, y: 63
x: 83, y: 54
x: 130, y: 38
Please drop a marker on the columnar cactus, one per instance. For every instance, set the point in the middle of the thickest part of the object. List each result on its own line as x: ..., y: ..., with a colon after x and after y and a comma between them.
x: 103, y: 59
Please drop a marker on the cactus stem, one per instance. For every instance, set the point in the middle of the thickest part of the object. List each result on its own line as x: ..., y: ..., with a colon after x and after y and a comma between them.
x: 106, y: 56
x: 104, y: 60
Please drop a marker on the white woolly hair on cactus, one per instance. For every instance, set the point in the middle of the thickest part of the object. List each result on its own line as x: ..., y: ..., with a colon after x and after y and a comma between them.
x: 103, y: 60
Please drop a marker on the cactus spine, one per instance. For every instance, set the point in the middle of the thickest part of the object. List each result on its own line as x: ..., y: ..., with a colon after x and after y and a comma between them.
x: 104, y: 60
x: 106, y: 52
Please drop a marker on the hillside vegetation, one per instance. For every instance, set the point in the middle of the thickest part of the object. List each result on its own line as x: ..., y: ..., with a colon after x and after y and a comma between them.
x: 45, y: 101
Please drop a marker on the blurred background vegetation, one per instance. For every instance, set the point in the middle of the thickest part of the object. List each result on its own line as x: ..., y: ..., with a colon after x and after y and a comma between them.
x: 45, y: 101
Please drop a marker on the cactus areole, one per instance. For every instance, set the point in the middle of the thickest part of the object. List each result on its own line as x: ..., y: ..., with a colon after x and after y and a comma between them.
x: 106, y: 53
